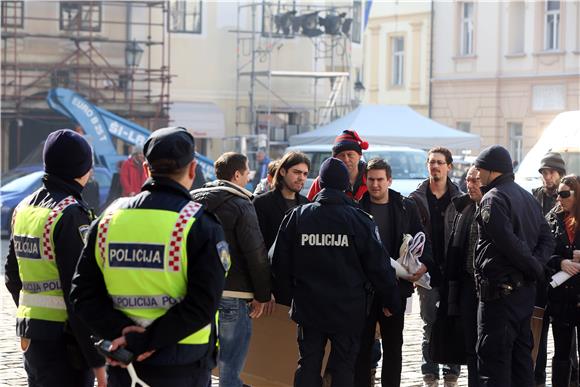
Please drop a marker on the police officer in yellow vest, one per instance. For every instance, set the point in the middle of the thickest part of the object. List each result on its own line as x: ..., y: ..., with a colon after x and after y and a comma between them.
x: 153, y: 271
x: 48, y: 228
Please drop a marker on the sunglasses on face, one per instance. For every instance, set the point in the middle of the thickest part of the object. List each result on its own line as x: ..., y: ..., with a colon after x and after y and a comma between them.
x: 564, y: 194
x: 436, y: 162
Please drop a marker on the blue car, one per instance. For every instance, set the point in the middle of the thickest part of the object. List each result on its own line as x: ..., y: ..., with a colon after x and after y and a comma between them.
x: 14, y: 191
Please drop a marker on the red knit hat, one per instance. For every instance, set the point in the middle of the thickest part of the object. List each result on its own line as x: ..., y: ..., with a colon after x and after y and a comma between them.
x: 349, y: 140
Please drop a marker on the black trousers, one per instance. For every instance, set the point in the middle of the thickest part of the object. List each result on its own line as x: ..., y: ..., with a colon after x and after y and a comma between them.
x: 47, y: 364
x: 392, y: 340
x: 468, y: 309
x: 504, y: 344
x: 198, y: 377
x: 340, y: 366
x: 563, y: 335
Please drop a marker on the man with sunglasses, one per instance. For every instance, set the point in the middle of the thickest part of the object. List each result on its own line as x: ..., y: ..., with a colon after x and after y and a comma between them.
x: 514, y: 245
x: 552, y: 168
x: 434, y: 200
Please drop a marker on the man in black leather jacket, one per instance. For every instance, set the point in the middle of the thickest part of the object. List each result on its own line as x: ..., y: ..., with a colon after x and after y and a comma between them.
x: 514, y: 245
x: 247, y: 288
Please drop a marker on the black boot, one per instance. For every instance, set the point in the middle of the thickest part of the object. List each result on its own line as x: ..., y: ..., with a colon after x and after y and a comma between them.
x: 560, y: 373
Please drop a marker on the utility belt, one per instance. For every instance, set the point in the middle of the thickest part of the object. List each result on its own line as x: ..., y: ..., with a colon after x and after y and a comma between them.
x: 494, y: 290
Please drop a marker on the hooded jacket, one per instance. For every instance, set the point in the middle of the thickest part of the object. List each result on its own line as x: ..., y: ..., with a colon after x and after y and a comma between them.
x: 249, y: 275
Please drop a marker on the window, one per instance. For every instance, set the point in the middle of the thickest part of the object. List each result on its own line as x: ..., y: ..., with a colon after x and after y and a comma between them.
x: 185, y: 16
x: 80, y: 16
x: 516, y: 27
x: 516, y: 139
x: 398, y: 44
x: 552, y: 26
x: 464, y: 126
x: 13, y: 14
x: 466, y: 28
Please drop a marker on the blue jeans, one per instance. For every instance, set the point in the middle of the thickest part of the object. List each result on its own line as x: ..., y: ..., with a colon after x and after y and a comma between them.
x: 235, y: 330
x: 429, y: 299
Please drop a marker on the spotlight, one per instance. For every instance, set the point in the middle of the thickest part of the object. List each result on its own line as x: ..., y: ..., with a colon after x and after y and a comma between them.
x: 332, y: 23
x: 346, y: 26
x: 283, y: 22
x: 310, y: 24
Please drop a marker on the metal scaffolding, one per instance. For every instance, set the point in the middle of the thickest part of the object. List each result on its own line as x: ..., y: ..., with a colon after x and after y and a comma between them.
x: 272, y: 121
x: 87, y: 60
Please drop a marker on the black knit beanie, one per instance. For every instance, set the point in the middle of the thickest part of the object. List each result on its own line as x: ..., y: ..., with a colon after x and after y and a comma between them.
x: 67, y: 154
x: 334, y: 174
x: 554, y: 161
x: 495, y: 158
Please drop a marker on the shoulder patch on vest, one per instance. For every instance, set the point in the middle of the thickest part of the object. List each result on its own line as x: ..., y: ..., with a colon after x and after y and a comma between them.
x: 223, y: 251
x: 83, y: 232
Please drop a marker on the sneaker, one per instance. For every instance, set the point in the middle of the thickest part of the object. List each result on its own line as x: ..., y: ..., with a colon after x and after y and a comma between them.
x: 430, y: 380
x: 450, y: 380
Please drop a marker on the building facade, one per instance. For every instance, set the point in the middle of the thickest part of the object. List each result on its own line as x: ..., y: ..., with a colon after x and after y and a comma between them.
x: 397, y: 54
x: 233, y: 73
x: 504, y: 70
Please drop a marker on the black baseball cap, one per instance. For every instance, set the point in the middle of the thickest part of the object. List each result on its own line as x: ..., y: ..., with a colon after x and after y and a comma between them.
x: 169, y: 149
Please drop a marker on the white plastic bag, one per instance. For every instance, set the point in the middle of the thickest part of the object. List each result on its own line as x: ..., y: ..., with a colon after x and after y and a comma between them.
x: 409, y: 253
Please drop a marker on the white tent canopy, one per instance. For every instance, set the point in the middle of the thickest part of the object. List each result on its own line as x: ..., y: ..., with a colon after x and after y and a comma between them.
x: 390, y: 125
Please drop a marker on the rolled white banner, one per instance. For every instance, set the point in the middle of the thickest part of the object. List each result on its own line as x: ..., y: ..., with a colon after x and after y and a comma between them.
x: 559, y: 278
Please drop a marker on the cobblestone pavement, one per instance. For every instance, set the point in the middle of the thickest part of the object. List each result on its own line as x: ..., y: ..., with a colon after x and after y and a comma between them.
x: 13, y: 374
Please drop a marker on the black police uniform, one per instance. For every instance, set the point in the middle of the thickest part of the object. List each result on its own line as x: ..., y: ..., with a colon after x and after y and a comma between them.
x: 171, y: 364
x: 54, y: 359
x: 514, y: 244
x: 325, y: 254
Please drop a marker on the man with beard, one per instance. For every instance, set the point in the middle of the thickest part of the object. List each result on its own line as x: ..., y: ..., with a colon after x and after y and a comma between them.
x: 288, y: 181
x: 434, y: 200
x: 552, y: 168
x: 348, y: 148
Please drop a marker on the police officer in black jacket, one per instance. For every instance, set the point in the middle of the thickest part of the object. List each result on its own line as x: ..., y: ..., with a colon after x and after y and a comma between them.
x: 39, y: 278
x: 160, y: 307
x: 325, y: 254
x: 514, y: 245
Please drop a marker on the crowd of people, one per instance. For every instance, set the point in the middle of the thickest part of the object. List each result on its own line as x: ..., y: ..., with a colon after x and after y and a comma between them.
x: 173, y: 276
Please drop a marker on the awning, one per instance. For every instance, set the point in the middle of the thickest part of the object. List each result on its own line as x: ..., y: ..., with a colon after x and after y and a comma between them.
x: 203, y: 119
